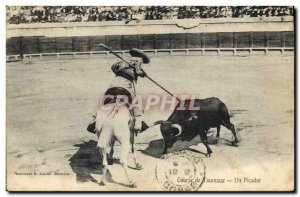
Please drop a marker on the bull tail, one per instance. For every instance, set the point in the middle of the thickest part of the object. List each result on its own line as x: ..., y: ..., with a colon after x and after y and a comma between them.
x: 225, y: 116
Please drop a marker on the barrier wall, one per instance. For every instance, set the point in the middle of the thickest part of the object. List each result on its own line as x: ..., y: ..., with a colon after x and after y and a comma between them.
x: 32, y: 45
x: 190, y: 33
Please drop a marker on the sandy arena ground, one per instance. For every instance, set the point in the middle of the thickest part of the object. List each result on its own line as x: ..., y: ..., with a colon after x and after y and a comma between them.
x: 50, y: 102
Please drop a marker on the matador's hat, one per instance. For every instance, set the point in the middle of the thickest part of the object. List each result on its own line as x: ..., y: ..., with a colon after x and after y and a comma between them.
x: 138, y: 53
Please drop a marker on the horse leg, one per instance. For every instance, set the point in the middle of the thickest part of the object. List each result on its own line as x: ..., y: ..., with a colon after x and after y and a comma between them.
x: 137, y: 165
x: 105, y: 146
x: 104, y: 169
x: 205, y: 142
x: 126, y: 149
x: 122, y: 134
x: 110, y: 158
x: 132, y: 125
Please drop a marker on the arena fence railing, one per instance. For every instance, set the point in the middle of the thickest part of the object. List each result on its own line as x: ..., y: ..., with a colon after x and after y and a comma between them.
x: 154, y: 52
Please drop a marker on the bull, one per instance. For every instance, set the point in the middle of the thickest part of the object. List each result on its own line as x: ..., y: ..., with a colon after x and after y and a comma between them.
x: 185, y: 123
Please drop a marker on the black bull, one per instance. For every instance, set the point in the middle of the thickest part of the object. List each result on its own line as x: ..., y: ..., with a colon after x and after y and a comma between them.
x: 185, y: 123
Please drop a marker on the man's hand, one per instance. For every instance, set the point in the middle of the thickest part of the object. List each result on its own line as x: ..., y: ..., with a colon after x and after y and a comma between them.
x: 141, y: 73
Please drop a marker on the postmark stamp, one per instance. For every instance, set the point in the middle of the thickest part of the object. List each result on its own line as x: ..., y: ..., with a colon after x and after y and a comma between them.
x: 181, y: 171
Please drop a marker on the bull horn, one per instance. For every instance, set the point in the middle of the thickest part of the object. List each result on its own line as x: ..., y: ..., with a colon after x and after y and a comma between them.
x: 155, y: 123
x: 177, y: 126
x: 145, y: 126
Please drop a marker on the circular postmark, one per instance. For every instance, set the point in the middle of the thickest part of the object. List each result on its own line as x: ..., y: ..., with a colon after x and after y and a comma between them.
x: 181, y: 171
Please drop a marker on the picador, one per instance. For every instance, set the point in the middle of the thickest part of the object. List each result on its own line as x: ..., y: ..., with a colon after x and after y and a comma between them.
x: 124, y: 85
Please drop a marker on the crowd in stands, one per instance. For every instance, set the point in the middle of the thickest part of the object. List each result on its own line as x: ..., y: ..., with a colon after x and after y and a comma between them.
x: 56, y: 14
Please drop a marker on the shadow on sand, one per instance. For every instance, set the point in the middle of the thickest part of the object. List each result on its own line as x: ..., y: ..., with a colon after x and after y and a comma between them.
x: 86, y: 161
x: 156, y: 147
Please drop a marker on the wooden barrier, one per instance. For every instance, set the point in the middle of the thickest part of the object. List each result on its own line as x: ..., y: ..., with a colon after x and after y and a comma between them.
x: 31, y: 45
x: 192, y: 51
x: 266, y: 32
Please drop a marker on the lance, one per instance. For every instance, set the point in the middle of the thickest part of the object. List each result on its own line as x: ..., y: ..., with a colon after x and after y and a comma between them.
x: 117, y: 55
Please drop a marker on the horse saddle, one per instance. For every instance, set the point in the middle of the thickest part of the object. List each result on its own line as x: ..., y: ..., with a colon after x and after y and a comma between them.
x: 113, y: 94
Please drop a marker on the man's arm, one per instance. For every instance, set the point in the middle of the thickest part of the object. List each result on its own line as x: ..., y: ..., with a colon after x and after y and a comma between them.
x: 139, y: 70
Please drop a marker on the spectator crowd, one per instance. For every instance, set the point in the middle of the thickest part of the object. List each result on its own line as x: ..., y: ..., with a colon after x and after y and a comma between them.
x: 56, y: 14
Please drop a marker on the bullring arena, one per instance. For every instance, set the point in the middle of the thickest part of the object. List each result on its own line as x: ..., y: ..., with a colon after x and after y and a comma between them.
x: 50, y: 101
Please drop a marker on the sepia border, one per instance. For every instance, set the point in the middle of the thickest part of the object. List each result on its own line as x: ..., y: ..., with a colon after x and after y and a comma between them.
x: 238, y: 192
